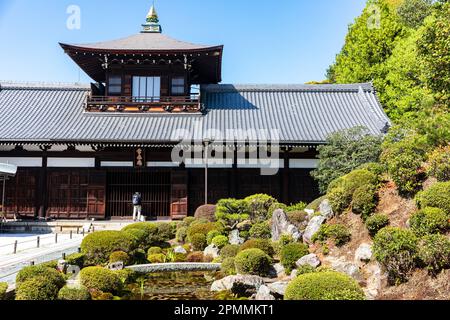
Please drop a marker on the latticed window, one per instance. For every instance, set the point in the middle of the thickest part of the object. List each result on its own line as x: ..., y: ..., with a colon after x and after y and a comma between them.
x: 178, y: 86
x: 115, y: 85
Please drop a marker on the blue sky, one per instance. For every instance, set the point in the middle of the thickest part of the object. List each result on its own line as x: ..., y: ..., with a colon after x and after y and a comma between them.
x: 266, y: 41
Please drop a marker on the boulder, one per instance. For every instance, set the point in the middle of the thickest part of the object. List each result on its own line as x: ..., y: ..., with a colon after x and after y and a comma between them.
x: 279, y: 269
x: 180, y: 250
x: 313, y: 226
x: 211, y: 251
x: 230, y: 282
x: 349, y: 268
x: 363, y: 253
x: 264, y: 294
x: 281, y: 225
x: 235, y: 238
x: 311, y: 259
x: 278, y: 288
x: 294, y: 274
x: 326, y: 210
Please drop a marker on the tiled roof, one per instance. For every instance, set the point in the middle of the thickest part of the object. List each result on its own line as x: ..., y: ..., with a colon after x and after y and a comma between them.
x: 299, y: 114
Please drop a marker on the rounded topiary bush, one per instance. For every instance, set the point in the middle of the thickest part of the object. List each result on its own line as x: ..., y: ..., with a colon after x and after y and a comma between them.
x: 258, y: 206
x: 291, y: 253
x: 207, y: 212
x: 76, y: 259
x: 376, y: 222
x: 154, y: 250
x: 328, y: 285
x: 220, y: 241
x: 156, y: 258
x: 211, y: 235
x: 37, y: 288
x: 51, y: 275
x: 119, y: 256
x: 252, y: 261
x: 429, y: 220
x: 262, y: 244
x: 100, y: 279
x: 98, y: 246
x: 196, y: 256
x: 165, y: 232
x: 3, y: 288
x: 198, y: 241
x: 229, y: 251
x: 364, y: 200
x: 437, y: 196
x: 298, y: 218
x: 147, y: 234
x: 439, y: 163
x: 338, y: 232
x: 181, y: 234
x: 79, y: 293
x: 260, y: 230
x: 228, y: 267
x: 200, y: 228
x: 434, y: 252
x: 395, y: 249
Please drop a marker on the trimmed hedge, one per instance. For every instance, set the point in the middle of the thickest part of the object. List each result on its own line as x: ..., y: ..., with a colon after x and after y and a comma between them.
x: 3, y: 288
x: 154, y: 250
x: 100, y: 279
x: 228, y: 267
x: 198, y: 242
x: 181, y: 234
x: 437, y: 196
x: 76, y: 259
x: 365, y: 200
x: 260, y: 230
x: 119, y: 256
x: 258, y: 206
x: 80, y: 293
x: 428, y: 221
x: 328, y: 285
x: 252, y: 261
x: 291, y: 253
x: 220, y: 241
x: 156, y: 258
x: 98, y: 246
x: 376, y: 222
x: 262, y: 244
x: 434, y: 253
x: 200, y: 228
x: 148, y: 233
x: 51, y: 275
x: 37, y: 288
x: 207, y: 212
x: 298, y: 218
x: 211, y: 235
x: 395, y: 249
x: 229, y: 251
x: 439, y: 164
x: 165, y: 232
x: 338, y: 232
x: 196, y: 256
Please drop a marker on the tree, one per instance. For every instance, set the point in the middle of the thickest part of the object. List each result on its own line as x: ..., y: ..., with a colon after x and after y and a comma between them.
x: 413, y: 12
x: 345, y: 151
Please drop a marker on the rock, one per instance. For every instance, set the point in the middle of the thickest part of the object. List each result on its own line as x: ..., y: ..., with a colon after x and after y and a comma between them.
x: 229, y: 282
x: 294, y: 274
x: 180, y: 250
x: 351, y: 269
x: 374, y: 281
x: 263, y: 294
x: 311, y: 259
x: 363, y: 253
x: 279, y: 287
x: 235, y: 238
x: 310, y: 212
x: 62, y: 265
x: 312, y: 228
x: 244, y: 225
x: 281, y: 225
x: 211, y: 251
x: 279, y: 269
x: 326, y: 210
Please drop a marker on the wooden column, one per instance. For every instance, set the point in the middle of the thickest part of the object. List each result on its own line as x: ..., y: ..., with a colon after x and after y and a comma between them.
x: 285, y: 176
x: 233, y: 182
x: 42, y: 193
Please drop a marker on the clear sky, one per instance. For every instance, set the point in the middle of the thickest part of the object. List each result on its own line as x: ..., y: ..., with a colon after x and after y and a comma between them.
x: 266, y: 41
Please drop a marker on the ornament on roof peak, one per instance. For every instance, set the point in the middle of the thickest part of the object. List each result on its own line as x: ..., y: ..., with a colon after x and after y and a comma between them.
x: 151, y: 24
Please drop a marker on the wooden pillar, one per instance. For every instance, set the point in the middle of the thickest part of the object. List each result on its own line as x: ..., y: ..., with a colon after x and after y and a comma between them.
x: 285, y: 176
x: 234, y: 191
x: 42, y: 193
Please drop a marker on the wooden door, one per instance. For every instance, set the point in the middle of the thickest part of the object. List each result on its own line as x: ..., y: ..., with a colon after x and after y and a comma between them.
x: 179, y: 195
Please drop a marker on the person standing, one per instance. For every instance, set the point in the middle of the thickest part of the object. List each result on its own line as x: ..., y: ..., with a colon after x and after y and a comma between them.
x: 137, y: 206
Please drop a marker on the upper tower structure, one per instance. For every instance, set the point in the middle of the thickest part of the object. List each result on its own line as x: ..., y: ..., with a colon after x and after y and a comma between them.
x: 148, y: 67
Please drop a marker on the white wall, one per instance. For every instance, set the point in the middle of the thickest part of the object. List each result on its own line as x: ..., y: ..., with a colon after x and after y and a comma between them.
x: 71, y: 162
x: 23, y: 162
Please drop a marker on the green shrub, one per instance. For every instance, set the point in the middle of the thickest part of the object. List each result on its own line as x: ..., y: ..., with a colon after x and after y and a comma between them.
x: 156, y: 258
x: 434, y: 252
x: 101, y: 296
x: 429, y: 220
x: 260, y: 230
x: 188, y: 221
x: 198, y: 241
x: 296, y: 207
x: 100, y: 279
x: 376, y: 222
x: 324, y: 286
x: 181, y: 235
x: 439, y: 164
x: 200, y: 228
x: 3, y: 289
x: 298, y: 218
x: 395, y: 249
x: 305, y: 269
x: 220, y: 241
x: 376, y: 168
x: 165, y: 232
x: 196, y: 256
x: 126, y: 276
x: 119, y: 256
x: 365, y: 200
x: 338, y: 232
x: 276, y: 206
x: 252, y: 261
x: 50, y: 264
x: 154, y: 250
x: 139, y: 238
x: 80, y: 293
x: 76, y: 259
x: 339, y: 200
x: 228, y: 267
x: 316, y: 203
x: 229, y: 251
x: 98, y: 246
x: 232, y: 211
x: 51, y: 275
x: 291, y: 253
x: 258, y: 206
x: 207, y: 212
x: 437, y: 196
x: 262, y: 244
x: 211, y: 235
x: 37, y: 288
x: 149, y: 236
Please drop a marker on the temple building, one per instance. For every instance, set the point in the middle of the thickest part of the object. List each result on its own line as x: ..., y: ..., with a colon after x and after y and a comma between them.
x: 83, y: 150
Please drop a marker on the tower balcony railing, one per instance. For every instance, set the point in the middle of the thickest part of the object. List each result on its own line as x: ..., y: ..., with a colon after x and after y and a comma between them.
x: 167, y: 104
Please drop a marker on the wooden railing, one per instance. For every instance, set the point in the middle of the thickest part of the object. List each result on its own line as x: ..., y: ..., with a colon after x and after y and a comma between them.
x: 169, y: 104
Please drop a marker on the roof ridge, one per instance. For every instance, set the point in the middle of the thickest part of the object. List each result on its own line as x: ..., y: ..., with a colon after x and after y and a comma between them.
x: 353, y: 87
x: 42, y: 85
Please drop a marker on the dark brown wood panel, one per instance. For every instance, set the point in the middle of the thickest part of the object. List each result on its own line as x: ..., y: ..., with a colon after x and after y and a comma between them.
x: 20, y: 199
x: 302, y: 187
